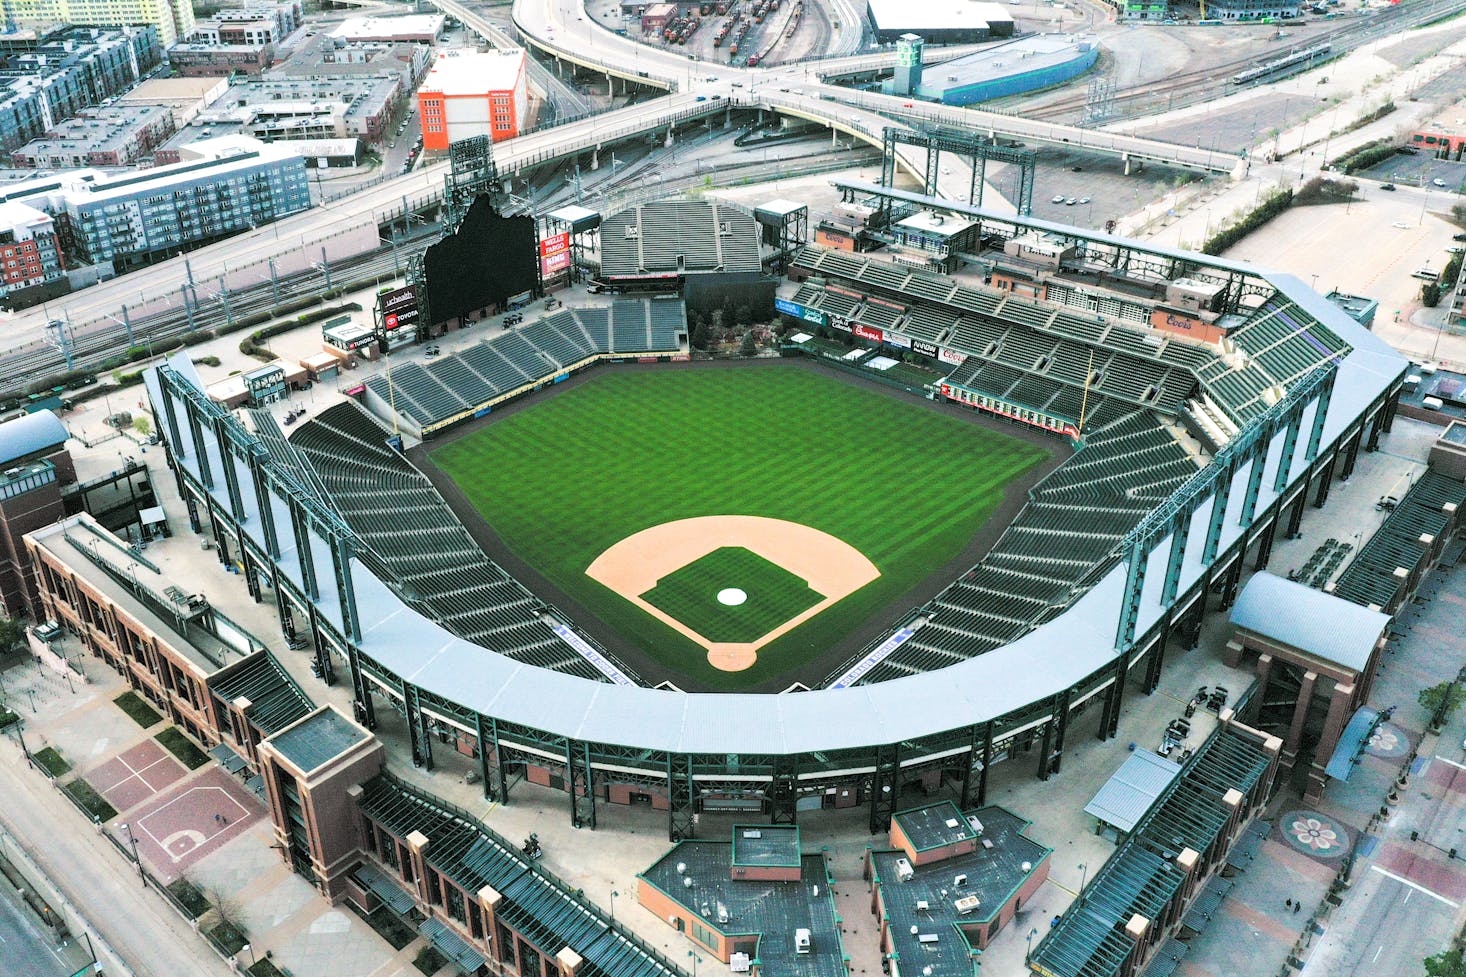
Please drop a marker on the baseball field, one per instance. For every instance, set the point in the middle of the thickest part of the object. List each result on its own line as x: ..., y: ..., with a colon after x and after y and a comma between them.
x: 733, y: 524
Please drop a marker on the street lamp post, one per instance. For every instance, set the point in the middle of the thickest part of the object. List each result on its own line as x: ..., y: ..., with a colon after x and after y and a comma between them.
x: 1083, y: 877
x: 695, y: 961
x: 614, y: 894
x: 1028, y: 954
x: 132, y: 842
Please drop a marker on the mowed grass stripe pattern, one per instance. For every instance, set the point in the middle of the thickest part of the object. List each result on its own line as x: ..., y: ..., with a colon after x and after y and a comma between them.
x: 568, y: 477
x: 690, y: 595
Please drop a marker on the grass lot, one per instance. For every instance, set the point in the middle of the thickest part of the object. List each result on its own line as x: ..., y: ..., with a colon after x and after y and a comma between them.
x: 178, y: 744
x: 51, y: 761
x: 142, y: 713
x: 690, y: 595
x: 570, y: 476
x: 89, y: 800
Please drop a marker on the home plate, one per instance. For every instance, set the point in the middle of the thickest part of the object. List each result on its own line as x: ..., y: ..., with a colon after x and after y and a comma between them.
x: 180, y: 843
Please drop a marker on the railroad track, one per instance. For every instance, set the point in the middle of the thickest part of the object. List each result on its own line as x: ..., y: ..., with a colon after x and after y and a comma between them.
x: 1211, y: 81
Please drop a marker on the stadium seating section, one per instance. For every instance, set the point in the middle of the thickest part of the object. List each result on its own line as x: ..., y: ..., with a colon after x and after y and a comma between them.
x: 1071, y: 527
x: 676, y: 235
x: 438, y: 567
x: 520, y: 359
x: 1041, y: 355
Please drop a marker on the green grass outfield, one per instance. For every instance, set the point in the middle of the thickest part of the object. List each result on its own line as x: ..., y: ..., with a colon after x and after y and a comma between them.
x: 564, y: 479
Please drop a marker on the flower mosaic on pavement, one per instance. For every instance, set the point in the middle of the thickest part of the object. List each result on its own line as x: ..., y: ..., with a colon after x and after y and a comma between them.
x: 1315, y: 834
x: 1388, y: 741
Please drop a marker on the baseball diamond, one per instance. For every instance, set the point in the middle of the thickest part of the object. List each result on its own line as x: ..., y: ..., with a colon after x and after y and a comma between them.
x: 858, y: 494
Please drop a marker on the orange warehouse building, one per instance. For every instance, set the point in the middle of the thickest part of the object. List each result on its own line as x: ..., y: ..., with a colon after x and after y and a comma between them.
x: 476, y: 93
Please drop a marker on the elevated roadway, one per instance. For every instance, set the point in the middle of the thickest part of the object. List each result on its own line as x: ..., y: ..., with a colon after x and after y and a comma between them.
x: 561, y: 28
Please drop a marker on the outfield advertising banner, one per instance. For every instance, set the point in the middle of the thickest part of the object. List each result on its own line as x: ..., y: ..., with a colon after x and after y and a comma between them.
x: 800, y: 312
x: 554, y: 254
x: 948, y: 356
x: 924, y: 348
x: 898, y: 341
x: 866, y: 332
x: 839, y: 322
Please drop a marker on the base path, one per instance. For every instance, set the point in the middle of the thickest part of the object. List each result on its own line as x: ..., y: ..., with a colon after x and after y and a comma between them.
x: 831, y: 567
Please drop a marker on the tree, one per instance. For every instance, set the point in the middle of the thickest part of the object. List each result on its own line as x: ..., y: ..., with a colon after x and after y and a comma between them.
x: 1441, y: 700
x: 12, y: 635
x: 1430, y: 294
x: 700, y: 334
x: 1447, y: 963
x: 743, y: 315
x: 142, y: 426
x: 750, y: 345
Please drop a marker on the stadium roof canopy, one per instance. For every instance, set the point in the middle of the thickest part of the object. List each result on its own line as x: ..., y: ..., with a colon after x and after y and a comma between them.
x: 29, y: 435
x: 1312, y: 621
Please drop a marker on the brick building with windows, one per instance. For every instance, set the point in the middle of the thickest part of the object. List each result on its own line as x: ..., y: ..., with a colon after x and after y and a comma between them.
x: 473, y: 94
x: 29, y: 252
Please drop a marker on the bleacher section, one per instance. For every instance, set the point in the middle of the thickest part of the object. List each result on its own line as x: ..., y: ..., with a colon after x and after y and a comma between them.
x: 1132, y: 366
x: 679, y: 235
x: 437, y: 565
x: 261, y: 423
x: 1074, y: 520
x: 1278, y: 344
x: 509, y: 363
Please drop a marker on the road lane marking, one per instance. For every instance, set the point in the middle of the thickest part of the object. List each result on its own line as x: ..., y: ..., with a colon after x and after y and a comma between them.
x: 1377, y: 953
x: 1416, y: 886
x: 1458, y: 766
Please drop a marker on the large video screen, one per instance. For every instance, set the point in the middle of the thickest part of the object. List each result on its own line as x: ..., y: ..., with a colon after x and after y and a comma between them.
x: 489, y: 259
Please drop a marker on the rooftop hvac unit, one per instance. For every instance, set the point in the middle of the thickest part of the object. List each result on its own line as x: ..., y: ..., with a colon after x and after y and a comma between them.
x: 687, y: 882
x: 927, y: 938
x: 904, y: 871
x: 753, y: 833
x: 975, y: 824
x: 722, y: 913
x: 922, y: 906
x: 966, y: 904
x: 958, y: 881
x: 681, y: 866
x: 739, y: 963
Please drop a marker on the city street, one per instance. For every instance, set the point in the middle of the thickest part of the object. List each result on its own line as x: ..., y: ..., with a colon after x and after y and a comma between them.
x: 26, y: 949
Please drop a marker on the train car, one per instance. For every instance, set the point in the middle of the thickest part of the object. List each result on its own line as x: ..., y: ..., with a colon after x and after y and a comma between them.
x: 1304, y: 57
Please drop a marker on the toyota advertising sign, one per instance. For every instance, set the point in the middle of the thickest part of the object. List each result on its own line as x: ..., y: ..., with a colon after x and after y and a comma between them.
x: 398, y: 310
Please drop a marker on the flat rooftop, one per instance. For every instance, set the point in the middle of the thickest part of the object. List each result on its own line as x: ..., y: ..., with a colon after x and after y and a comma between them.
x: 993, y: 876
x: 934, y: 826
x: 919, y: 15
x: 773, y: 910
x: 318, y: 739
x: 78, y: 540
x: 1015, y: 57
x: 1455, y: 434
x: 475, y: 73
x: 934, y: 223
x: 766, y: 845
x: 376, y: 28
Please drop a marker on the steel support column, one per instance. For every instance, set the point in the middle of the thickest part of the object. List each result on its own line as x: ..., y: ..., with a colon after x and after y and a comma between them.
x: 1114, y: 699
x: 884, y: 787
x: 417, y: 731
x: 491, y: 759
x: 366, y: 712
x: 1180, y: 529
x: 1134, y: 587
x: 1325, y: 477
x: 783, y: 792
x: 1265, y: 545
x: 1157, y: 657
x: 1061, y: 724
x: 1290, y: 445
x: 1351, y: 455
x: 681, y: 799
x: 1295, y: 517
x: 580, y: 778
x: 300, y: 529
x: 978, y: 757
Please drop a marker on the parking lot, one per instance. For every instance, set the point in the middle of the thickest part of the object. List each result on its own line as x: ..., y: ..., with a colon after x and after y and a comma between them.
x: 1420, y: 170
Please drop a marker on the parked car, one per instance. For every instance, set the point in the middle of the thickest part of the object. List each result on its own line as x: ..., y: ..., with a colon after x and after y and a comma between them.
x: 1387, y: 186
x: 1058, y: 198
x: 1438, y: 182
